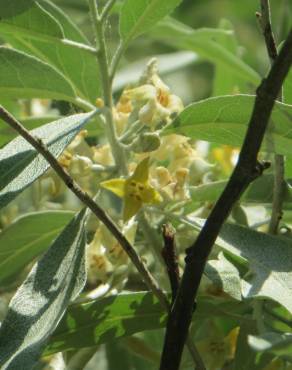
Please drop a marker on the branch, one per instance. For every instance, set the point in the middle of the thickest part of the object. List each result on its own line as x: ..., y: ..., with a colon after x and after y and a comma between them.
x: 170, y: 258
x: 279, y: 161
x: 246, y: 170
x: 89, y: 202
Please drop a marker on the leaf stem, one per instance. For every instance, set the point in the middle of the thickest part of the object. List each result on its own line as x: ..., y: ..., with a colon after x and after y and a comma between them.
x: 102, y: 58
x: 107, y: 8
x: 78, y: 45
x: 116, y: 58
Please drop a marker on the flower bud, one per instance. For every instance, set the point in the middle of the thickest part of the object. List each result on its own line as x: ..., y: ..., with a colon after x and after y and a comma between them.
x: 141, y: 93
x: 163, y: 176
x: 198, y: 168
x: 181, y: 176
x: 146, y: 142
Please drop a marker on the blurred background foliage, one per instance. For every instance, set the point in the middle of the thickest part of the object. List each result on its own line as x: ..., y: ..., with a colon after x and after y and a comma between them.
x: 195, y: 82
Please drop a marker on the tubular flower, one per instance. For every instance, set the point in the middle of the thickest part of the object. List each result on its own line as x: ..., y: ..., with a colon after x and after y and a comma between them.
x: 153, y: 98
x: 135, y: 190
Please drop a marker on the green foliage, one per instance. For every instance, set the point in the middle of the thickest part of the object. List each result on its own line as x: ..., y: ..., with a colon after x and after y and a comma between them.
x: 7, y: 133
x: 26, y: 239
x: 269, y: 261
x: 224, y: 120
x: 104, y: 320
x: 40, y: 31
x: 82, y: 289
x: 35, y: 310
x: 29, y: 77
x: 211, y: 44
x: 139, y: 16
x: 22, y: 165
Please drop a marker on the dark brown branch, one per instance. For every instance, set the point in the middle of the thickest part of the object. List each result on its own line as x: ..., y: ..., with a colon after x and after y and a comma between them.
x: 246, y: 170
x: 170, y: 258
x: 89, y: 202
x: 279, y: 161
x: 264, y: 18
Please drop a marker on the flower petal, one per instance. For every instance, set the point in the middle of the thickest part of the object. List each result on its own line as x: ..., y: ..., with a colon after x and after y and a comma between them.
x: 150, y: 195
x: 117, y: 186
x: 131, y: 207
x: 141, y: 172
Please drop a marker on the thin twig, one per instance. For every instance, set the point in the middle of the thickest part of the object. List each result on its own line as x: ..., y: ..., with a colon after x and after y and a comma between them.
x: 279, y: 161
x: 246, y: 170
x: 89, y: 202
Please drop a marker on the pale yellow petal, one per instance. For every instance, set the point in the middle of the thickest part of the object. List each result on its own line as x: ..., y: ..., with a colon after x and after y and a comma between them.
x: 150, y: 195
x: 141, y: 172
x: 131, y: 207
x: 117, y: 186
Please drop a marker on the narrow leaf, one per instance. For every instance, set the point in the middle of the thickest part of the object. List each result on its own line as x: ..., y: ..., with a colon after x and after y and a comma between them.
x: 224, y: 120
x: 138, y: 16
x: 24, y: 76
x: 26, y: 238
x: 21, y: 165
x: 7, y: 133
x: 40, y: 302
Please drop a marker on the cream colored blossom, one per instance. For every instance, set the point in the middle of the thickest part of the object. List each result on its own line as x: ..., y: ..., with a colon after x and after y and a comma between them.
x: 153, y: 99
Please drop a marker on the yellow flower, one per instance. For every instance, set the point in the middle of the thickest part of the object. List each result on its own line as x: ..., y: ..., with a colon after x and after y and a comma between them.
x: 135, y: 190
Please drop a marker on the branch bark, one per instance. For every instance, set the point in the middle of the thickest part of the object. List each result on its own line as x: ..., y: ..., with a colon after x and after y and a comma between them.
x: 279, y: 161
x: 246, y: 170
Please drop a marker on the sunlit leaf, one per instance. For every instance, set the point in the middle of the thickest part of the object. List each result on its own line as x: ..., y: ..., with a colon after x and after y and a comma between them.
x: 224, y: 120
x: 7, y: 133
x: 42, y: 299
x: 224, y: 275
x: 40, y: 31
x: 21, y: 165
x: 138, y: 16
x: 24, y: 76
x: 270, y: 262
